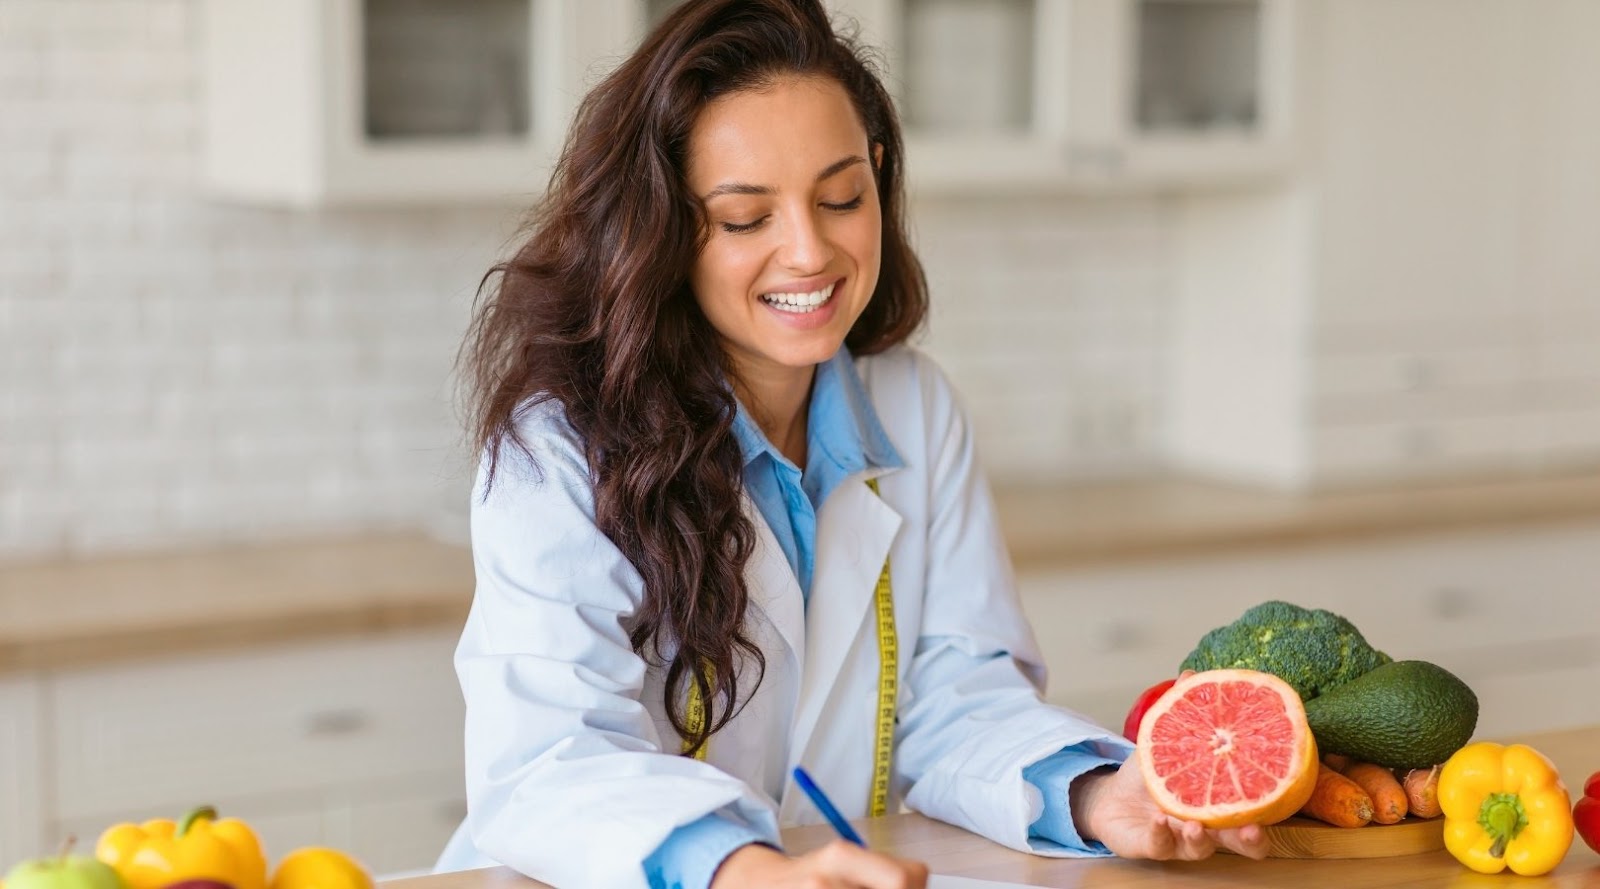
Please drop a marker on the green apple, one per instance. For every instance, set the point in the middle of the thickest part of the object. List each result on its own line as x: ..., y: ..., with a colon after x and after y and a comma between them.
x: 64, y: 872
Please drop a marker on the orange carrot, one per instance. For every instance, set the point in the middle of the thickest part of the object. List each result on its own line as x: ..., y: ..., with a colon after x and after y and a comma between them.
x: 1337, y: 761
x: 1388, y: 797
x: 1422, y: 791
x: 1338, y: 801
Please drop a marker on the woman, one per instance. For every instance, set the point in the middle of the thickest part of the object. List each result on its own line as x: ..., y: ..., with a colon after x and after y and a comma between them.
x: 670, y: 613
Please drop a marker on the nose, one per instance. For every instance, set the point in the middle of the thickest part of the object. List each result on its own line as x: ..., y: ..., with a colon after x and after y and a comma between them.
x: 806, y: 249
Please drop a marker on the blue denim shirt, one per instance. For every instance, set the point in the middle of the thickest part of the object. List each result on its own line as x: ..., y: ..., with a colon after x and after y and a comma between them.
x: 843, y: 438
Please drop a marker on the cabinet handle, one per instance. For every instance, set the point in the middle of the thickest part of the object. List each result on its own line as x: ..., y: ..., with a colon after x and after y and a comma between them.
x: 1452, y: 603
x: 1417, y: 373
x: 1103, y: 160
x: 337, y: 723
x: 1118, y: 636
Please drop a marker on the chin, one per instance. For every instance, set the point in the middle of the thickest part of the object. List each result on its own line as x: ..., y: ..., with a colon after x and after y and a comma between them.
x: 808, y: 354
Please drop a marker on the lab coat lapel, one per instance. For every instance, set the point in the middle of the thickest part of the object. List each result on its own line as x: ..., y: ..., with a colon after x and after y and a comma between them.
x: 855, y: 531
x: 772, y: 586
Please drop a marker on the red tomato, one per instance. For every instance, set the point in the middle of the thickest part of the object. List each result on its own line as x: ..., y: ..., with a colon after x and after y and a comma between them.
x: 1586, y: 814
x: 1130, y: 726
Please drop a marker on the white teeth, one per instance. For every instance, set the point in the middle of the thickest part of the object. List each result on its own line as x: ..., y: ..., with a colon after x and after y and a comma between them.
x: 798, y: 302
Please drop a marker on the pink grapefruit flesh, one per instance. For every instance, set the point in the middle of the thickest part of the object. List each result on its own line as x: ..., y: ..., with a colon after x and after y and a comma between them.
x: 1228, y: 748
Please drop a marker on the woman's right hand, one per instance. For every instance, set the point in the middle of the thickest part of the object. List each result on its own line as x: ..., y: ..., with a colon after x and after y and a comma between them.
x: 838, y: 865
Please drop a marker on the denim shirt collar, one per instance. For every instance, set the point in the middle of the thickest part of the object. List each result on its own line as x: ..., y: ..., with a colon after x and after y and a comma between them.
x: 843, y: 433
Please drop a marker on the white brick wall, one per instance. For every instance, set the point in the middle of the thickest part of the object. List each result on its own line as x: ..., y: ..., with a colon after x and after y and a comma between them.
x: 176, y: 372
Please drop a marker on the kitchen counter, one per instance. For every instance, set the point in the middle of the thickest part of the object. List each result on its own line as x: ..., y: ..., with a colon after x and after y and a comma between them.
x: 1066, y: 527
x: 57, y: 614
x: 950, y: 850
x: 67, y: 613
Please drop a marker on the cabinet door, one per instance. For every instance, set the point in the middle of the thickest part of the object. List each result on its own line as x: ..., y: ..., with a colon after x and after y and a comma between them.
x: 293, y: 720
x: 980, y: 86
x: 1174, y: 92
x: 1511, y: 612
x: 401, y: 829
x: 283, y: 824
x: 22, y: 806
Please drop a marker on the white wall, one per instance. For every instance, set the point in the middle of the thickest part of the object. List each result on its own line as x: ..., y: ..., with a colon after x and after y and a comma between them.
x: 175, y: 372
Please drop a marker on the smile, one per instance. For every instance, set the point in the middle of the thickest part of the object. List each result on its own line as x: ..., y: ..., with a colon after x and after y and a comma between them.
x: 799, y: 303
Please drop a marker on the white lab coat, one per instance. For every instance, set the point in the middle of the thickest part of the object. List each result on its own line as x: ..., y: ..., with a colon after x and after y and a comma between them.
x: 573, y: 771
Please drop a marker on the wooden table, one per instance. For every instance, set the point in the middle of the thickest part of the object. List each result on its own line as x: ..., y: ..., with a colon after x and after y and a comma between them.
x: 950, y: 850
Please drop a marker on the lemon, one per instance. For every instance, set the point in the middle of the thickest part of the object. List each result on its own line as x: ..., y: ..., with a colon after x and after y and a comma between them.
x: 316, y: 867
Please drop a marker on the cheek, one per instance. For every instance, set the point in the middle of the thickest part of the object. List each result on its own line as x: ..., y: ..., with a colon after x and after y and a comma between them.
x: 864, y: 235
x: 721, y: 277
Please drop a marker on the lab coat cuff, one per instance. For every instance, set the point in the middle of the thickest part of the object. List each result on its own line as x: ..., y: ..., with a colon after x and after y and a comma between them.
x: 1053, y: 777
x: 689, y: 857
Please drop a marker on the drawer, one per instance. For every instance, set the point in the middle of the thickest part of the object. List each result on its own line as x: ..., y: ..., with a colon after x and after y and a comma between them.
x: 21, y: 797
x: 1532, y: 686
x: 1432, y: 597
x: 161, y: 737
x: 1341, y: 376
x: 1416, y: 447
x: 284, y: 824
x: 402, y: 829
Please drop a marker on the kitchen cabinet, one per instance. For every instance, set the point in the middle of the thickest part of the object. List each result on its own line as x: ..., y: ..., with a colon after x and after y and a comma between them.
x: 1415, y: 300
x: 333, y: 743
x: 405, y: 828
x: 1510, y: 611
x: 319, y: 102
x: 1086, y: 94
x: 21, y: 755
x: 310, y: 103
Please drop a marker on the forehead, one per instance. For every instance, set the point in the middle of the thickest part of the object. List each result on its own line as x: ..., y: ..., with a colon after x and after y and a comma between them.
x: 794, y: 127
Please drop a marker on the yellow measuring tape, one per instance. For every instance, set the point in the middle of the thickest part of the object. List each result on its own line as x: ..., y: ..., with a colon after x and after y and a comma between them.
x: 888, y: 692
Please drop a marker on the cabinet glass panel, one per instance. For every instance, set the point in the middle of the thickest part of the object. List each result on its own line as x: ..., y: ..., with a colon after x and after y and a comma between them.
x: 967, y: 65
x: 656, y: 10
x: 1199, y: 65
x: 446, y: 68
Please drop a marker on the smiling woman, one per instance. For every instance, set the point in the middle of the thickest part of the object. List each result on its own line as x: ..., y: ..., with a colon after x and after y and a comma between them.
x: 727, y: 523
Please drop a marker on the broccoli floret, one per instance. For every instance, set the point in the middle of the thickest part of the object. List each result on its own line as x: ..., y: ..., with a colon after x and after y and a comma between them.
x: 1314, y: 651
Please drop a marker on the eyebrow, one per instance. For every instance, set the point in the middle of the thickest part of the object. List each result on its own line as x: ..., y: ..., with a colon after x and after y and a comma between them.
x: 837, y: 166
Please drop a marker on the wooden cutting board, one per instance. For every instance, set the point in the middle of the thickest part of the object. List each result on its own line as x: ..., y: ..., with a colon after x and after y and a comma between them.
x: 1307, y: 838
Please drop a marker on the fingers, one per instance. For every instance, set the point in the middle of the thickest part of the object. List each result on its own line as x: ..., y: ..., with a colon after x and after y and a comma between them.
x: 854, y: 866
x: 1249, y: 841
x: 1193, y: 841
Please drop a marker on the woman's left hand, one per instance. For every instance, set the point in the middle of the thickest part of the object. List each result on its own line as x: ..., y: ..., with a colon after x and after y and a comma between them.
x: 1116, y: 809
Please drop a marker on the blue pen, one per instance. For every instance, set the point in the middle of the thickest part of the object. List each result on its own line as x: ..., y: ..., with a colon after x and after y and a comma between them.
x: 825, y: 807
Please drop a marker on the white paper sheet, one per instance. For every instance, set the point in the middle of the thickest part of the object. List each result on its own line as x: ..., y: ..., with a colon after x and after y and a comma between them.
x: 941, y: 881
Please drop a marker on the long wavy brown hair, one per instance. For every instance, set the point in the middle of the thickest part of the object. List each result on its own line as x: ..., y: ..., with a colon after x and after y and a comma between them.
x: 594, y: 312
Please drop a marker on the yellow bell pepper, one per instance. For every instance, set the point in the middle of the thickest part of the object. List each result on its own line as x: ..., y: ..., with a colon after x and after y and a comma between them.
x: 160, y: 852
x: 1505, y: 807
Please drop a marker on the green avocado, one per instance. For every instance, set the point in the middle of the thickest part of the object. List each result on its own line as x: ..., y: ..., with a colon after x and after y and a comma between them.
x: 1403, y: 715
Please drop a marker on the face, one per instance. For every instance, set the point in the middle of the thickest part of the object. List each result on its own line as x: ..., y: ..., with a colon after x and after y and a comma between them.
x: 792, y: 252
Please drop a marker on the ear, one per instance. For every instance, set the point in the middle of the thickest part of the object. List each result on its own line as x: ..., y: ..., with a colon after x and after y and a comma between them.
x: 877, y: 156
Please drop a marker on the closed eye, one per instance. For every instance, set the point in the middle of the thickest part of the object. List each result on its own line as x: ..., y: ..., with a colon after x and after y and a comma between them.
x: 737, y: 228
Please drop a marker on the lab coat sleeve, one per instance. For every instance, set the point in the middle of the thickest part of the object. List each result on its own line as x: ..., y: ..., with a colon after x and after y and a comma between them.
x: 567, y: 779
x: 972, y: 716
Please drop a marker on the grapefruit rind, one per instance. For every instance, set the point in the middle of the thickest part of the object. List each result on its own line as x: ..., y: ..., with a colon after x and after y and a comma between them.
x: 1183, y: 742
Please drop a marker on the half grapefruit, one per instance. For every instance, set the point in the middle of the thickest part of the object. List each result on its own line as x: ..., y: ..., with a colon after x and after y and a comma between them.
x: 1228, y: 748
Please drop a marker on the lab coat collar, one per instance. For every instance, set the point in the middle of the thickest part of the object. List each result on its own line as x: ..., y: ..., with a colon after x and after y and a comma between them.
x: 850, y: 558
x: 773, y: 587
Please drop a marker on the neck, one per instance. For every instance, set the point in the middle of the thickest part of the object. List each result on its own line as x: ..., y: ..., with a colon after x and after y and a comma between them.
x: 779, y: 399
